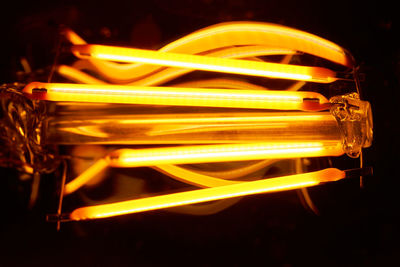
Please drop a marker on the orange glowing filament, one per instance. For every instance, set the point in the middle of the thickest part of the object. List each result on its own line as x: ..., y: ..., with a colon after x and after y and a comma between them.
x: 128, y: 158
x: 282, y: 100
x: 235, y: 66
x: 208, y: 194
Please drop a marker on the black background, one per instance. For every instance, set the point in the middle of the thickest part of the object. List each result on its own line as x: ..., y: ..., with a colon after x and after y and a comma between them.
x: 357, y: 227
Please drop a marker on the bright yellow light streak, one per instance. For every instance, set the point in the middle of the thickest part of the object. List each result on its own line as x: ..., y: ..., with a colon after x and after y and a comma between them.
x: 239, y: 118
x: 208, y: 194
x: 127, y: 158
x: 282, y: 100
x: 254, y: 37
x: 221, y: 153
x: 223, y: 36
x: 166, y: 74
x: 235, y: 66
x: 245, y: 33
x: 141, y: 74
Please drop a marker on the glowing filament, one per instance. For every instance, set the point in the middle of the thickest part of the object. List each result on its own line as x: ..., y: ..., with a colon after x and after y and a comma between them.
x: 235, y: 66
x: 204, y: 153
x: 282, y: 100
x: 208, y: 194
x: 221, y: 153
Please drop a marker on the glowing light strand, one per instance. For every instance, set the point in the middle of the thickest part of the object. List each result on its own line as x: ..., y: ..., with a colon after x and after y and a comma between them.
x: 128, y: 158
x: 282, y: 100
x: 206, y: 63
x: 208, y: 194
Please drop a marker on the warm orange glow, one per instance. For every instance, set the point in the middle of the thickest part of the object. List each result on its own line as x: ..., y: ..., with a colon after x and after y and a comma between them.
x: 191, y: 177
x: 77, y: 76
x: 281, y: 100
x: 202, y: 154
x: 251, y: 119
x: 233, y: 40
x: 221, y: 153
x: 260, y: 33
x: 208, y: 194
x: 141, y: 74
x: 234, y: 48
x: 86, y: 176
x: 236, y: 66
x: 74, y: 38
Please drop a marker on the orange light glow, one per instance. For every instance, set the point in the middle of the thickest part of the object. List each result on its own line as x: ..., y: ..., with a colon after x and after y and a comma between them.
x: 252, y: 140
x: 191, y: 177
x: 208, y: 194
x: 282, y: 100
x: 77, y: 76
x: 232, y: 40
x: 221, y: 153
x: 141, y: 74
x: 71, y: 36
x: 235, y: 66
x: 128, y: 158
x: 86, y: 176
x: 261, y: 33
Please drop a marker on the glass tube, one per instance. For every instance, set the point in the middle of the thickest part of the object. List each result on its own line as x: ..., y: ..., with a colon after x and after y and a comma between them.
x: 74, y: 124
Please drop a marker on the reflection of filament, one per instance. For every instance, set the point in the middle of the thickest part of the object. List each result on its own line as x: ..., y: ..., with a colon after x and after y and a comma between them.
x: 235, y: 66
x: 282, y: 100
x: 208, y: 194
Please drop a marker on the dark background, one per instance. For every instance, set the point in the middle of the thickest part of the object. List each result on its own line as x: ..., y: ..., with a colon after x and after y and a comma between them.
x: 357, y: 227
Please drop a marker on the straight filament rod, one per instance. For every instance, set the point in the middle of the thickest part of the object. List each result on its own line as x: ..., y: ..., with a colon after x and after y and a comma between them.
x: 208, y: 194
x: 128, y: 158
x: 206, y: 63
x: 228, y: 98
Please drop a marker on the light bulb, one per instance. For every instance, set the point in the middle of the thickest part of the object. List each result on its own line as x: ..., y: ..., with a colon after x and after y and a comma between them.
x: 133, y: 101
